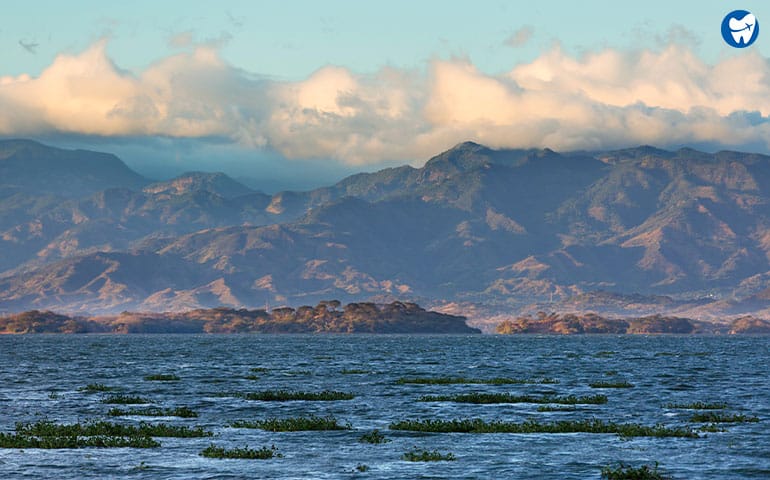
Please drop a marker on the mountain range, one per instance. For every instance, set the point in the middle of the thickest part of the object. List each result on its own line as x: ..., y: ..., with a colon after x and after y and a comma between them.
x: 475, y: 231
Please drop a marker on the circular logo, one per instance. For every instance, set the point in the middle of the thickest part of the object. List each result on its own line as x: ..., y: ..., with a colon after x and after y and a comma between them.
x: 740, y: 28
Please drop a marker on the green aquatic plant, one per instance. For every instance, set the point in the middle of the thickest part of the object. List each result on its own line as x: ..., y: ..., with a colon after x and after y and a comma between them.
x: 252, y: 377
x: 288, y: 396
x: 698, y: 406
x: 362, y: 468
x: 99, y: 428
x: 293, y: 424
x: 259, y: 370
x: 95, y: 387
x: 181, y: 412
x: 618, y: 384
x: 712, y: 428
x: 475, y: 381
x: 565, y: 426
x: 125, y: 400
x: 418, y: 455
x: 627, y: 472
x: 264, y: 453
x: 489, y: 398
x: 354, y: 371
x: 557, y: 408
x: 162, y: 377
x: 373, y: 437
x: 11, y: 440
x: 605, y: 353
x: 717, y: 417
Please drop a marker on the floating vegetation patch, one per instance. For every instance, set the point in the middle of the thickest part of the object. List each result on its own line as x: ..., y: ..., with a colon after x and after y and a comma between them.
x: 298, y: 373
x: 620, y: 384
x: 289, y: 396
x: 252, y: 377
x: 489, y: 398
x: 91, y: 429
x: 475, y: 381
x: 374, y: 437
x: 354, y: 371
x: 712, y: 428
x: 125, y: 400
x: 181, y: 412
x: 681, y: 387
x: 698, y: 406
x: 362, y: 468
x: 477, y: 425
x: 627, y: 472
x: 293, y: 424
x: 161, y: 377
x: 259, y: 370
x: 717, y: 417
x: 95, y: 387
x: 418, y: 455
x: 10, y: 440
x: 605, y: 353
x: 264, y: 453
x: 556, y: 408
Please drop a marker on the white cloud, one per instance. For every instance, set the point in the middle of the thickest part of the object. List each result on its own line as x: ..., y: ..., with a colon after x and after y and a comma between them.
x: 603, y: 99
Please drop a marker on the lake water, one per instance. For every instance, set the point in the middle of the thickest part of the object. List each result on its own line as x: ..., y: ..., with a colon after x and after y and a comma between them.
x: 40, y: 377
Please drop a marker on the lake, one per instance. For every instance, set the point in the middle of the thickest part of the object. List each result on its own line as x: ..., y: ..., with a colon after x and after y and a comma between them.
x: 43, y: 377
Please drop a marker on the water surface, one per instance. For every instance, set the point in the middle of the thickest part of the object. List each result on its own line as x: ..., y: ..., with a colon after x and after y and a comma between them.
x: 41, y: 375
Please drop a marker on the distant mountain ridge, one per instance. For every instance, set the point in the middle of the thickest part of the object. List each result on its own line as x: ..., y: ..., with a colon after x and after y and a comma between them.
x: 28, y: 166
x: 509, y: 229
x: 217, y: 183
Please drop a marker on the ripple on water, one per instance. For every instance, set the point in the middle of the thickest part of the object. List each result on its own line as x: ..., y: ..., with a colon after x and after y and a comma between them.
x: 213, y: 370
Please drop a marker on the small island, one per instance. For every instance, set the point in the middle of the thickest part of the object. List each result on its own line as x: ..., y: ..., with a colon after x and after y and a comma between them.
x: 326, y: 317
x: 591, y: 323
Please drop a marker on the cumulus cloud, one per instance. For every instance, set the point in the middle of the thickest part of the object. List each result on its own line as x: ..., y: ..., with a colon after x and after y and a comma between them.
x: 604, y: 99
x: 187, y: 39
x: 187, y: 95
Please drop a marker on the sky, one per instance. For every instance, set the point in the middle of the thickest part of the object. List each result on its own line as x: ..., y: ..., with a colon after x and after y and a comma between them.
x: 297, y: 94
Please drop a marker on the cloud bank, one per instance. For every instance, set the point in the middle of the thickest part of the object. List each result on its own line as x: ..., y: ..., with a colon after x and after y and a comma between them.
x: 604, y: 99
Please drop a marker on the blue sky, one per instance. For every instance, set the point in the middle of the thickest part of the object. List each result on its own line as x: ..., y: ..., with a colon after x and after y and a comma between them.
x: 291, y: 39
x: 328, y: 88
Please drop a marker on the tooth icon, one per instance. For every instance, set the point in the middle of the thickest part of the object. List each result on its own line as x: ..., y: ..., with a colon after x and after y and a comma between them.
x: 742, y: 30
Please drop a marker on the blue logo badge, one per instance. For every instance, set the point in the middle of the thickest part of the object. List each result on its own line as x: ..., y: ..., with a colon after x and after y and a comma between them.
x: 740, y: 28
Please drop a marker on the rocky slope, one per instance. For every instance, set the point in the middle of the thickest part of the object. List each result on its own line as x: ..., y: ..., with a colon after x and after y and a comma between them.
x: 396, y: 317
x: 586, y: 324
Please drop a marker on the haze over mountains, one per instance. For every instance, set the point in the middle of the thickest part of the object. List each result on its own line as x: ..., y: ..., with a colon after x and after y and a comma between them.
x: 489, y: 231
